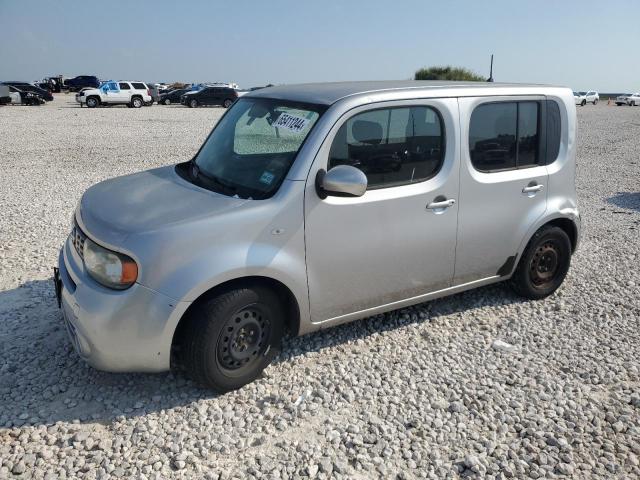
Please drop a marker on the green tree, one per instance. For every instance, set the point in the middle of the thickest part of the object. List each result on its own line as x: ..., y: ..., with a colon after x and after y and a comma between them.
x: 448, y: 73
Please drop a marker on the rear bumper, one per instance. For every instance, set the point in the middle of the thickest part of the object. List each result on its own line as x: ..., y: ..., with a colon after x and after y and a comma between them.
x: 116, y: 331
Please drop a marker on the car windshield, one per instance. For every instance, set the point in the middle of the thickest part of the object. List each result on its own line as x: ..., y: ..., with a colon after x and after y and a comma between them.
x: 252, y: 147
x: 583, y: 93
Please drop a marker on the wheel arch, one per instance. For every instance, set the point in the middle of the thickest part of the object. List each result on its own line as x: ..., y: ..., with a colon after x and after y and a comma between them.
x: 565, y: 222
x: 290, y: 303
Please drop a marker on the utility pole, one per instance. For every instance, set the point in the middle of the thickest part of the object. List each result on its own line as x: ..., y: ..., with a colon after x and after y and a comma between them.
x: 490, y: 79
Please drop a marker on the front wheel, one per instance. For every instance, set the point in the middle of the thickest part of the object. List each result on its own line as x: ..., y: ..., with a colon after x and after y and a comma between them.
x: 595, y: 102
x: 92, y: 102
x: 193, y: 103
x: 231, y: 338
x: 584, y: 102
x: 227, y: 103
x: 544, y: 264
x: 166, y: 102
x: 633, y: 104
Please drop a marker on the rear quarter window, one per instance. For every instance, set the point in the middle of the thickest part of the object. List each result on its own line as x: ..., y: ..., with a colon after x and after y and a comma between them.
x: 554, y: 131
x: 139, y: 86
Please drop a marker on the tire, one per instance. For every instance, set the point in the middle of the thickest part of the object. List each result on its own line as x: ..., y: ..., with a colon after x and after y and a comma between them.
x: 544, y: 264
x: 166, y: 102
x: 595, y: 102
x: 584, y: 102
x: 136, y: 102
x: 227, y: 103
x: 231, y: 338
x: 633, y: 104
x: 92, y: 102
x: 193, y: 103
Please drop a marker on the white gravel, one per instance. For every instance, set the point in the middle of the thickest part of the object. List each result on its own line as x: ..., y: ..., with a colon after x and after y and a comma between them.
x: 424, y: 392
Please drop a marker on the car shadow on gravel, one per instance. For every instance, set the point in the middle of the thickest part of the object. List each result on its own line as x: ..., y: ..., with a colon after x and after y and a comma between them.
x: 43, y: 380
x: 627, y: 200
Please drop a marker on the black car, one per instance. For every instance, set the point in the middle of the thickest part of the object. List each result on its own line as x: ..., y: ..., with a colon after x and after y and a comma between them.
x: 27, y: 97
x: 172, y: 96
x: 28, y: 87
x: 82, y: 81
x: 224, y: 96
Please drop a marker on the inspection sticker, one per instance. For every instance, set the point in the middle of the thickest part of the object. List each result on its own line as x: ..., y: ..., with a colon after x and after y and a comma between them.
x: 267, y: 177
x: 291, y: 122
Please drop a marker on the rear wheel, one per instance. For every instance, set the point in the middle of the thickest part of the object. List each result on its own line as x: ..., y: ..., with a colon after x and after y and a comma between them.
x: 633, y: 104
x: 193, y: 103
x: 544, y: 264
x: 92, y: 102
x: 584, y: 102
x: 231, y: 338
x: 136, y: 102
x: 227, y: 103
x: 595, y: 102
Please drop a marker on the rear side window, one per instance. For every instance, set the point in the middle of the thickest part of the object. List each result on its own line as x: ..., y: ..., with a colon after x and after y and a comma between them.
x: 139, y: 86
x: 392, y: 146
x: 505, y: 135
x: 554, y: 130
x: 124, y: 86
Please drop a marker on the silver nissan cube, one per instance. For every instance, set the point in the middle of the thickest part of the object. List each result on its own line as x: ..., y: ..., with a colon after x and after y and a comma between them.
x: 313, y: 205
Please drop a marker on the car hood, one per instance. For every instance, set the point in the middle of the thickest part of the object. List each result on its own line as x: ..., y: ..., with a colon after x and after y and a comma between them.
x: 147, y: 201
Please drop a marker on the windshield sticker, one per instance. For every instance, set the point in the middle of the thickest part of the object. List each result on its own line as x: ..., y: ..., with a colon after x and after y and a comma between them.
x: 291, y: 122
x: 267, y: 178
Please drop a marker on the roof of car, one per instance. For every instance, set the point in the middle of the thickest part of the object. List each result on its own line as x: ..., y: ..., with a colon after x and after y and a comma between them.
x: 329, y: 93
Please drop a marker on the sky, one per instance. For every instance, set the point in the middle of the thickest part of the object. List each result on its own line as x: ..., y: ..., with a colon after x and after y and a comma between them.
x: 582, y: 44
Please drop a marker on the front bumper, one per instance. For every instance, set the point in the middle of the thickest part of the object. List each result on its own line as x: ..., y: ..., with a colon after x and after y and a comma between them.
x: 116, y: 330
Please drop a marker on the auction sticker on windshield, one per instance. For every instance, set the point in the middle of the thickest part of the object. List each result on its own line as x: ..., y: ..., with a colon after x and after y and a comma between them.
x: 291, y: 122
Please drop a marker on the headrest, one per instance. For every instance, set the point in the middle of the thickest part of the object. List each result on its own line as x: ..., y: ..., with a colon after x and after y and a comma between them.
x: 367, y: 132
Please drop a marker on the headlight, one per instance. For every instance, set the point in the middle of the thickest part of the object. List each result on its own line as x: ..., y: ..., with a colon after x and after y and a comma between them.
x: 111, y: 269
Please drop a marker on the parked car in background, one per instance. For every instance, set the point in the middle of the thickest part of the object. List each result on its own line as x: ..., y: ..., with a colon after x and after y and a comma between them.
x: 592, y: 97
x: 205, y: 265
x: 155, y: 94
x: 5, y: 95
x: 132, y: 94
x: 224, y: 96
x: 21, y: 97
x: 29, y: 87
x: 172, y: 96
x: 82, y: 81
x: 633, y: 99
x: 622, y: 99
x: 580, y: 98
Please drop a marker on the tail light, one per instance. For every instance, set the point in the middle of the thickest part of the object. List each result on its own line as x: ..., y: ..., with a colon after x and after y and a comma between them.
x: 149, y: 91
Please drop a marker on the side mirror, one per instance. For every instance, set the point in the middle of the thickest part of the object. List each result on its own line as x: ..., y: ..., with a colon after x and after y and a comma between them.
x: 341, y: 181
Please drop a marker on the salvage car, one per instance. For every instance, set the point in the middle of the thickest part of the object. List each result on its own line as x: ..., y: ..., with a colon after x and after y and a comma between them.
x: 28, y: 87
x: 172, y: 96
x: 82, y: 81
x: 20, y: 97
x: 206, y: 96
x: 131, y: 94
x: 313, y: 205
x: 633, y: 99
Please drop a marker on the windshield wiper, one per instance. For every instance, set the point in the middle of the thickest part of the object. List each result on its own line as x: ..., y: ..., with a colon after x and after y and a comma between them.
x: 197, y: 173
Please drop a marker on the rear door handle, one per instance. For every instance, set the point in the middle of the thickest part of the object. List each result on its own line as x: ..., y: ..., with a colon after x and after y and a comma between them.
x: 532, y: 188
x: 441, y: 204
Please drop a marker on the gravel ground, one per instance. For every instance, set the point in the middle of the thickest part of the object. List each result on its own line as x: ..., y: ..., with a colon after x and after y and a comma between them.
x: 417, y: 393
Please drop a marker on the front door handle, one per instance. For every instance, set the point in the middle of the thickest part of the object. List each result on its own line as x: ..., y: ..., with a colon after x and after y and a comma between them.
x: 441, y: 204
x: 532, y: 188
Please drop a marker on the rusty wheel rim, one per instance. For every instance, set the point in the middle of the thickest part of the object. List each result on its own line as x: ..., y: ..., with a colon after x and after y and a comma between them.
x: 545, y: 265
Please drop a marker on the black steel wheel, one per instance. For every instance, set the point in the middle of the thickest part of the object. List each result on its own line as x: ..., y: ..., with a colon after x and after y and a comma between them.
x: 544, y: 263
x: 231, y: 337
x: 244, y: 339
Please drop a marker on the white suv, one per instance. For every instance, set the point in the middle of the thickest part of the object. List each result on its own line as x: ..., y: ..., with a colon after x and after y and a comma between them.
x: 132, y: 94
x: 592, y: 97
